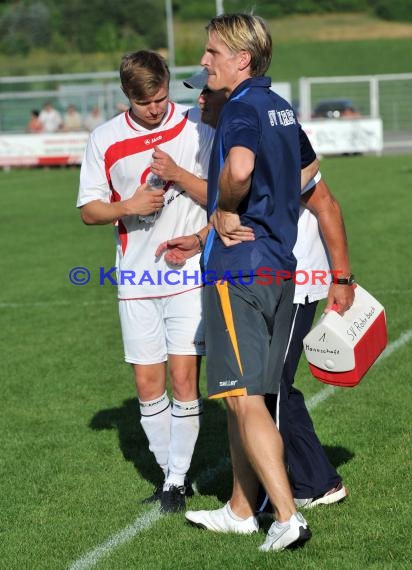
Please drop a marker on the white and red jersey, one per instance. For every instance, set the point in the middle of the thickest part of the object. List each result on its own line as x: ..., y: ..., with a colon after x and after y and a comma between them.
x: 117, y: 160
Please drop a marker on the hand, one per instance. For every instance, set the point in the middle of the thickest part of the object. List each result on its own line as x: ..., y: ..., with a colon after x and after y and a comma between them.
x: 229, y: 228
x: 342, y: 296
x: 145, y: 201
x: 179, y: 249
x: 163, y: 165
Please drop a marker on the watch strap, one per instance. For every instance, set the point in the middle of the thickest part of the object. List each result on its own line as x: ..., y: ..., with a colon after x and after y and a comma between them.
x: 349, y: 280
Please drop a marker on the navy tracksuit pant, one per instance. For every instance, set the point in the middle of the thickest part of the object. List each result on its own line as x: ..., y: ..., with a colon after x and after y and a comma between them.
x: 310, y: 471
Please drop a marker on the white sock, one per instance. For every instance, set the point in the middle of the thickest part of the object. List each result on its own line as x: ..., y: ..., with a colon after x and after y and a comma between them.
x: 282, y: 524
x: 184, y: 431
x: 156, y: 420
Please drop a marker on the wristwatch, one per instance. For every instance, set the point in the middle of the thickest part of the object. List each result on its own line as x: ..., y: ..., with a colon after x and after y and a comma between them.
x: 349, y: 280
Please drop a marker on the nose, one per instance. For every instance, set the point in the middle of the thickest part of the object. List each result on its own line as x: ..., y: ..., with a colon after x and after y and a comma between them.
x: 205, y: 59
x: 153, y: 108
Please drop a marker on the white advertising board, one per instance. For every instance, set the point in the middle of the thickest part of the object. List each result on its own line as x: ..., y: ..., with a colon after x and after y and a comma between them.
x: 345, y: 136
x: 42, y: 149
x: 328, y: 137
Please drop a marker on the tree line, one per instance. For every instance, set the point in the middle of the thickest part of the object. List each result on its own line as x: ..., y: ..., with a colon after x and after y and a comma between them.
x: 121, y: 25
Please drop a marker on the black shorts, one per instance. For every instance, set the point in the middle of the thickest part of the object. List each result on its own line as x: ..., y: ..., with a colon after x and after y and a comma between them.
x: 247, y: 332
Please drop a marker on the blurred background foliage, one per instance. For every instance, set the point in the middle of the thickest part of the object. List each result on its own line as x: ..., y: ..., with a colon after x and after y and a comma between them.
x: 51, y: 34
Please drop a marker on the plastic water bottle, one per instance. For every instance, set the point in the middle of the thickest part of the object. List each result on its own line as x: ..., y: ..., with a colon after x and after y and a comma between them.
x: 155, y: 183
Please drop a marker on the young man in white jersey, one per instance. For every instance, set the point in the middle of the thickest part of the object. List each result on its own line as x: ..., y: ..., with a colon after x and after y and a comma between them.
x: 160, y: 314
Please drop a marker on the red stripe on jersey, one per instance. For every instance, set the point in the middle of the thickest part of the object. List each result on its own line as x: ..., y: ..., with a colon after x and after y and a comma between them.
x: 121, y: 228
x: 122, y: 235
x: 135, y: 145
x: 172, y: 110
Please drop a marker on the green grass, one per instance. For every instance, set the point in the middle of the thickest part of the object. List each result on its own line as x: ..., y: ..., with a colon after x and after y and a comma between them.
x: 332, y: 58
x: 74, y: 461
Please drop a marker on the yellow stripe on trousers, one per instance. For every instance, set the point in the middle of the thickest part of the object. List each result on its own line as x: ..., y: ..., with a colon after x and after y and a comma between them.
x: 223, y: 290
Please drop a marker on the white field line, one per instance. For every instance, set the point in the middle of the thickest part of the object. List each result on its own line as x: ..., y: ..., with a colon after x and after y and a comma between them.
x: 320, y: 397
x: 148, y: 519
x: 141, y: 523
x: 398, y: 343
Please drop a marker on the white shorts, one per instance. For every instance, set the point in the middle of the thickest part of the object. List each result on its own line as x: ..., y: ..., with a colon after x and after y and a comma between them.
x: 153, y: 328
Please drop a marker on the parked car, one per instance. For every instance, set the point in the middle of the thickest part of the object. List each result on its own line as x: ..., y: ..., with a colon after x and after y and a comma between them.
x: 335, y: 109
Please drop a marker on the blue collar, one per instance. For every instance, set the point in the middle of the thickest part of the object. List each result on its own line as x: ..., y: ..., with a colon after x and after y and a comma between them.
x: 263, y: 82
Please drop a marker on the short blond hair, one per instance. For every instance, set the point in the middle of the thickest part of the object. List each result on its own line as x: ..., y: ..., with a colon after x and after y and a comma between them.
x: 143, y: 73
x: 245, y: 32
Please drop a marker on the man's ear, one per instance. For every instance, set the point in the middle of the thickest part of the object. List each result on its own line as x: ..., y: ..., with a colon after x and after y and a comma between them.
x: 244, y: 59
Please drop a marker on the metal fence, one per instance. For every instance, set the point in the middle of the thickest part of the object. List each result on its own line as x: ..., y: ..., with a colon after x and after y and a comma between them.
x: 19, y: 95
x: 386, y: 96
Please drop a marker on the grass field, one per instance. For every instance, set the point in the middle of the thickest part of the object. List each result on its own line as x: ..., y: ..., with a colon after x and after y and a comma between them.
x: 74, y: 461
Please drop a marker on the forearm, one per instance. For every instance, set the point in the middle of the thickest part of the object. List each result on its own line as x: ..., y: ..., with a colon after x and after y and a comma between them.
x: 235, y: 178
x: 203, y: 233
x: 194, y: 186
x: 231, y: 193
x: 333, y: 231
x: 331, y: 225
x: 99, y: 213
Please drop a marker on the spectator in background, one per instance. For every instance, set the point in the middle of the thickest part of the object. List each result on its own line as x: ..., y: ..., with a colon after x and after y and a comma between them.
x: 121, y: 108
x: 72, y: 120
x: 94, y: 118
x: 34, y: 125
x: 50, y: 118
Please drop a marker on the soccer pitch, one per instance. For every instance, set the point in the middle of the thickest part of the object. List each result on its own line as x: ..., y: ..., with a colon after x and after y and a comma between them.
x: 74, y: 461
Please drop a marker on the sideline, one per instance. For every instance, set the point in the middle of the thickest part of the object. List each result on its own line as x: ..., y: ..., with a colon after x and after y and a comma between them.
x: 141, y: 523
x: 148, y: 519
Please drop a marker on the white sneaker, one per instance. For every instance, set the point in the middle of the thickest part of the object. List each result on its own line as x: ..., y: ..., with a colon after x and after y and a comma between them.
x: 334, y: 495
x: 222, y: 520
x: 295, y: 533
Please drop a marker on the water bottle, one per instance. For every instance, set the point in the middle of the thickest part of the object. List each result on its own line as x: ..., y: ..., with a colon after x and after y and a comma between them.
x: 155, y: 183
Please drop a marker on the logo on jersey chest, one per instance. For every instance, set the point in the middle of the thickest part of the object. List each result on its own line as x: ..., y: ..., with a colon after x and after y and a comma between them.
x: 153, y: 140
